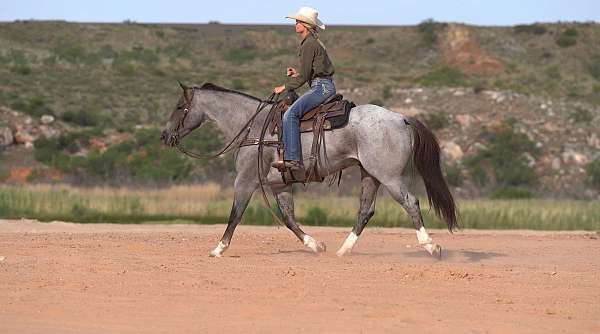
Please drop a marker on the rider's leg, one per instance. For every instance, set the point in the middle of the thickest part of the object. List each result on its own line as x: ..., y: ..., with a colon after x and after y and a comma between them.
x: 319, y: 92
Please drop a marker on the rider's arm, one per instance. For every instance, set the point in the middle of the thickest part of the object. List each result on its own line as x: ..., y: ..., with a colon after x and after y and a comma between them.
x: 307, y: 54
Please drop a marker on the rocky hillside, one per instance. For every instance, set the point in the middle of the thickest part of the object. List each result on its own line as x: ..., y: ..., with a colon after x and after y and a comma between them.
x: 517, y: 109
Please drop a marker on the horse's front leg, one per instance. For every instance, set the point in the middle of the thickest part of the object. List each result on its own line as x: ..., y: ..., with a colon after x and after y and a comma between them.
x: 285, y: 201
x: 245, y: 185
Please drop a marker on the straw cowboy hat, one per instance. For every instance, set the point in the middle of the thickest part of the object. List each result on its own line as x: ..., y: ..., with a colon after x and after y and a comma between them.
x: 308, y: 15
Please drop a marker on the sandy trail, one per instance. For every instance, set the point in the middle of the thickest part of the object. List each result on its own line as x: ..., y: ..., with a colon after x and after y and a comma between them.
x: 71, y: 278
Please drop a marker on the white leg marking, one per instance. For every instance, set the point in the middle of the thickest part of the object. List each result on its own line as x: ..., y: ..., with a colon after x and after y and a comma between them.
x: 218, y: 252
x: 311, y: 243
x: 423, y: 236
x: 431, y: 247
x: 348, y: 244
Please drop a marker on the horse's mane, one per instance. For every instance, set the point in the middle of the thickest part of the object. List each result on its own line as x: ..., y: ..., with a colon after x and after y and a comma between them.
x: 211, y: 86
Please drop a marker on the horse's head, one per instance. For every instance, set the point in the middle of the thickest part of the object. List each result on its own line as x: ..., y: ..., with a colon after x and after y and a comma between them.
x: 184, y: 119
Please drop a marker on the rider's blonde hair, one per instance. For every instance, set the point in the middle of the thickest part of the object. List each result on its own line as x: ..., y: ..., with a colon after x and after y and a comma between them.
x: 313, y: 31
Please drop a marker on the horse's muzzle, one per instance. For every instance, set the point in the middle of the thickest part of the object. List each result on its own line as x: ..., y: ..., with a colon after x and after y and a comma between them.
x: 168, y: 138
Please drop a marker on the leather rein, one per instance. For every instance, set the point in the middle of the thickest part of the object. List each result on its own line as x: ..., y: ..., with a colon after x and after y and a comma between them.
x: 245, y: 130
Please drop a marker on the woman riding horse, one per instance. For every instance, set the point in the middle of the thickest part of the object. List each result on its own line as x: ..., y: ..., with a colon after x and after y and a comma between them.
x: 316, y: 69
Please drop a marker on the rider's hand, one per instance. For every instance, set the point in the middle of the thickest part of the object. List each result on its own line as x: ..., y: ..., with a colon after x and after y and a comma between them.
x: 291, y: 72
x: 279, y: 89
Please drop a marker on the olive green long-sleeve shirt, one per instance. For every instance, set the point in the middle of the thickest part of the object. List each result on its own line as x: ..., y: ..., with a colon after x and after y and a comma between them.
x: 314, y: 62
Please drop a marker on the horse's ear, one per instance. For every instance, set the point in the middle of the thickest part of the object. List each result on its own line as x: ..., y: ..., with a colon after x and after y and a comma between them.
x: 184, y: 87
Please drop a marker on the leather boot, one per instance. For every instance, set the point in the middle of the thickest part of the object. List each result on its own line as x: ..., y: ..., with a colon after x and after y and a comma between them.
x: 288, y: 164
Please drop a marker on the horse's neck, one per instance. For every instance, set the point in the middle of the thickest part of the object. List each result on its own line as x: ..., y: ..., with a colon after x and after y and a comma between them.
x: 230, y: 111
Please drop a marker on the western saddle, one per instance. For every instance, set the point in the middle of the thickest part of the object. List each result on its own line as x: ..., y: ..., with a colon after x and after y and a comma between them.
x: 332, y: 114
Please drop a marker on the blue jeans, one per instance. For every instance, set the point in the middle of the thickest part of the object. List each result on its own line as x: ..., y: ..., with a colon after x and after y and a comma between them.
x: 320, y: 90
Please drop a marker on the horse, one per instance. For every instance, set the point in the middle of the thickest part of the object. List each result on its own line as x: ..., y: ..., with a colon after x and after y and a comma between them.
x: 381, y: 142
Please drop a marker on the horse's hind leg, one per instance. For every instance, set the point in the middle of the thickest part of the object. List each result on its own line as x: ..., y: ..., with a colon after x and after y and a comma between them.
x: 410, y: 203
x: 285, y: 200
x: 368, y: 193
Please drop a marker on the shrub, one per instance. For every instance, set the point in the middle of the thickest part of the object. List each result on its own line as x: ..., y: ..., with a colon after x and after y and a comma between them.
x: 429, y: 31
x: 370, y: 40
x: 70, y: 51
x: 567, y: 38
x: 387, y: 92
x: 504, y: 159
x: 581, y: 115
x: 124, y: 68
x: 444, y: 76
x: 35, y: 106
x: 553, y: 72
x: 83, y: 117
x: 316, y: 216
x: 436, y: 120
x: 594, y: 67
x: 241, y: 55
x: 454, y: 175
x: 261, y: 215
x: 377, y: 102
x: 592, y: 171
x: 571, y: 32
x: 536, y: 29
x: 21, y: 69
x: 238, y: 84
x: 511, y: 193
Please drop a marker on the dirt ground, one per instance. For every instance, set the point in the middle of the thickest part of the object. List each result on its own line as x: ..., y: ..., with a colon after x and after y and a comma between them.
x: 71, y: 278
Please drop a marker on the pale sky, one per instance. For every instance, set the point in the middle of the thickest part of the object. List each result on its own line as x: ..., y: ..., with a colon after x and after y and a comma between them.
x: 352, y: 12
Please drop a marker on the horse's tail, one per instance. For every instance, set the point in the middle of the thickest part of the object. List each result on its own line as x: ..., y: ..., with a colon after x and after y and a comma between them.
x: 426, y: 157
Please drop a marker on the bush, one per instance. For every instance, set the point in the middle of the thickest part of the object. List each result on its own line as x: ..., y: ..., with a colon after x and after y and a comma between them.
x: 504, y: 159
x: 571, y: 32
x: 436, y: 120
x: 35, y: 106
x: 429, y: 31
x: 511, y: 193
x: 454, y: 175
x: 377, y: 102
x: 387, y: 92
x: 261, y: 215
x: 83, y: 117
x: 594, y: 67
x: 238, y: 84
x: 444, y: 76
x: 241, y: 55
x: 592, y: 171
x: 536, y: 29
x: 70, y: 51
x: 581, y: 115
x: 316, y: 216
x: 567, y: 38
x: 21, y: 69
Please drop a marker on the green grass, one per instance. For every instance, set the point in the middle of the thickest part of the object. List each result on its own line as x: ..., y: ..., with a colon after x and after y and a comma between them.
x: 124, y: 206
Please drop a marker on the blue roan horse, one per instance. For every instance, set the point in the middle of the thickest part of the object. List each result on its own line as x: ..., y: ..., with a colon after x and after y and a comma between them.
x: 380, y: 141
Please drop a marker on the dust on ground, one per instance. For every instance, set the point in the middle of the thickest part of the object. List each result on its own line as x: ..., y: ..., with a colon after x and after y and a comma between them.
x: 74, y: 278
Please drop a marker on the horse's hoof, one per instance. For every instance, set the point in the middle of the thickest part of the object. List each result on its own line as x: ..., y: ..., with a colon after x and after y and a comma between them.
x: 313, y: 245
x: 218, y: 252
x: 214, y: 254
x: 321, y: 247
x: 437, y: 252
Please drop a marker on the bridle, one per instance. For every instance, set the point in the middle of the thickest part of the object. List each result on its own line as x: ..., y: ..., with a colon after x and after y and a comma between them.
x: 245, y: 130
x: 272, y: 100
